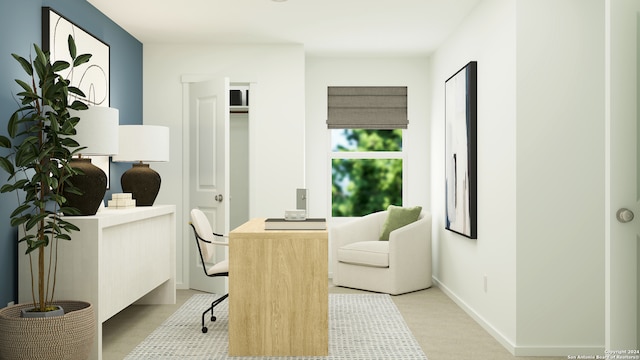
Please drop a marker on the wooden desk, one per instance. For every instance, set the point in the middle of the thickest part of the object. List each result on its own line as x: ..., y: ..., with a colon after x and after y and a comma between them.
x: 278, y: 292
x: 119, y: 257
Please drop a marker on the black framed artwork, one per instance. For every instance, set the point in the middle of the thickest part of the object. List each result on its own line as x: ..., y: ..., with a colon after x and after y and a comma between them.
x: 460, y: 151
x: 93, y: 78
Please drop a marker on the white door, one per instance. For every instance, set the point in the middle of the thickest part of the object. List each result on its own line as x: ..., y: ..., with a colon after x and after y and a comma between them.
x: 209, y: 171
x: 621, y: 250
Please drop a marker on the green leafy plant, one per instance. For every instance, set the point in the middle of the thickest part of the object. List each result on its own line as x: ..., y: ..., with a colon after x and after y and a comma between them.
x: 41, y: 146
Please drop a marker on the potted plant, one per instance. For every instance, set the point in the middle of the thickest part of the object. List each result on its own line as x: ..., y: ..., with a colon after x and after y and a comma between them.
x: 41, y: 145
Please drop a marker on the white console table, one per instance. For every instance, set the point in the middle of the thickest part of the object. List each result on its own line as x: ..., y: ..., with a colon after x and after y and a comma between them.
x: 119, y: 257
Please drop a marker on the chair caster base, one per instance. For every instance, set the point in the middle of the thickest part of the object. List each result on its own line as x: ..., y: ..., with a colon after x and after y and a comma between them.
x: 209, y: 312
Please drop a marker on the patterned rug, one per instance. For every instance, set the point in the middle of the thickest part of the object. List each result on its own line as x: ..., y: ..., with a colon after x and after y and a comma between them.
x: 361, y: 327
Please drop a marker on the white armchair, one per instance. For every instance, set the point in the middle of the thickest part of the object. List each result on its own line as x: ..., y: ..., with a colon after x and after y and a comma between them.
x: 397, y: 266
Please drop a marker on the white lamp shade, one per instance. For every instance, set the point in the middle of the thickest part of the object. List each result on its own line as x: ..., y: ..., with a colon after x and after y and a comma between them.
x: 144, y: 143
x: 97, y: 130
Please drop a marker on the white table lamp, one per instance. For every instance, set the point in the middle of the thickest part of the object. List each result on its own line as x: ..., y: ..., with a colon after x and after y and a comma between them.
x: 97, y: 130
x: 140, y: 144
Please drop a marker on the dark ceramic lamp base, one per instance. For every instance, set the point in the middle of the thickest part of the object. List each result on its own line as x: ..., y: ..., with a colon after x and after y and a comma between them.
x: 93, y: 185
x: 142, y: 182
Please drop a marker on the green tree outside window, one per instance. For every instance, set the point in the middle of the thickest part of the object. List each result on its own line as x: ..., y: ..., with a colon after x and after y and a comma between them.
x: 361, y: 186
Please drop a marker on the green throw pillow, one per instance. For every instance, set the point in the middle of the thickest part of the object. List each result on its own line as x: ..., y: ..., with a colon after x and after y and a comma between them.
x: 397, y: 218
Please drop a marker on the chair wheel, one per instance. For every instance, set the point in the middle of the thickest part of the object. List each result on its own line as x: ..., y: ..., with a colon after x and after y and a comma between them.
x: 213, y: 318
x: 204, y: 329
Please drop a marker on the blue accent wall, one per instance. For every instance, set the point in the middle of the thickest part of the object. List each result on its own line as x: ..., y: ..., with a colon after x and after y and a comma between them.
x: 20, y: 26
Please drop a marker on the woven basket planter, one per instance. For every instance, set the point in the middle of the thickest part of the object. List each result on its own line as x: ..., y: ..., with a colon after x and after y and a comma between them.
x: 69, y: 336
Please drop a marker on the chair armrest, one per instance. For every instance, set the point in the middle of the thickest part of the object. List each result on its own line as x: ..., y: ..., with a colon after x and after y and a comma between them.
x: 213, y: 242
x: 411, y: 242
x: 221, y: 243
x: 366, y: 228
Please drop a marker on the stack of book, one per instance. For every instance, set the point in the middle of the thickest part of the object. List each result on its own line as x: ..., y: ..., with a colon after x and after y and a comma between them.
x: 307, y: 224
x: 122, y: 201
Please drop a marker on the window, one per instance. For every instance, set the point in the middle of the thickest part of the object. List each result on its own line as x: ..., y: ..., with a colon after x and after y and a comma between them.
x: 366, y: 124
x: 366, y: 170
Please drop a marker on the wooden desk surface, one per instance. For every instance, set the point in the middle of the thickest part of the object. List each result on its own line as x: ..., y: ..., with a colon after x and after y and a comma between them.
x: 278, y: 292
x: 255, y: 227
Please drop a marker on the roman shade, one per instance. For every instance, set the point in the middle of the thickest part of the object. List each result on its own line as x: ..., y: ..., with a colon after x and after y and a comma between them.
x: 367, y: 107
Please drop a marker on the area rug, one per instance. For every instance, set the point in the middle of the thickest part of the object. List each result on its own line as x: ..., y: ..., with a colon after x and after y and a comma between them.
x: 361, y: 327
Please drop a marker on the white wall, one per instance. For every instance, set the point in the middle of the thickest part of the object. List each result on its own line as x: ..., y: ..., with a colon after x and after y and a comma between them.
x: 540, y: 175
x: 322, y: 72
x: 487, y: 36
x: 276, y: 132
x: 560, y: 175
x: 540, y: 156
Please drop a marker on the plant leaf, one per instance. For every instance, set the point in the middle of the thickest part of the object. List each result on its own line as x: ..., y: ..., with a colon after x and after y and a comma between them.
x: 12, y: 126
x: 20, y: 209
x: 72, y: 46
x: 5, y: 142
x: 76, y: 104
x: 19, y: 220
x: 35, y: 245
x: 81, y: 59
x: 59, y: 65
x: 41, y: 57
x: 26, y: 65
x: 7, y: 166
x: 25, y: 86
x: 7, y: 188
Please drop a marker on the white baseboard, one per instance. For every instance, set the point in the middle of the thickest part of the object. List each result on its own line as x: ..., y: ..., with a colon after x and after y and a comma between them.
x: 181, y: 286
x: 595, y: 352
x: 510, y: 346
x: 514, y: 349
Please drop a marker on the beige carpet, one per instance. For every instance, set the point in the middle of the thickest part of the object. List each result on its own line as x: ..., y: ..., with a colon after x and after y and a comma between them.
x: 442, y: 329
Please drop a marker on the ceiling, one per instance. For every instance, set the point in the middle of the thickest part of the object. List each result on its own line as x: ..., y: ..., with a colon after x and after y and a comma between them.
x: 325, y: 27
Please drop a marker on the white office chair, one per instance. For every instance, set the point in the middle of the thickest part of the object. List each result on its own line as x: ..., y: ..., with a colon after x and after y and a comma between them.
x: 205, y: 239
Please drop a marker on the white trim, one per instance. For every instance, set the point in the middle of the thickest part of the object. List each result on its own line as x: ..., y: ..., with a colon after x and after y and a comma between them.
x: 366, y: 155
x: 186, y: 236
x: 508, y: 344
x: 607, y: 174
x: 514, y: 349
x: 587, y: 352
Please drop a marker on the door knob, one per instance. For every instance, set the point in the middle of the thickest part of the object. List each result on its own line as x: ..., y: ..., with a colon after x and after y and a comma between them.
x: 218, y: 198
x: 624, y: 215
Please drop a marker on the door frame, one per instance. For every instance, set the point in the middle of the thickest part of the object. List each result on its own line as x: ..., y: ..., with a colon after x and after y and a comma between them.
x: 251, y: 88
x: 621, y: 285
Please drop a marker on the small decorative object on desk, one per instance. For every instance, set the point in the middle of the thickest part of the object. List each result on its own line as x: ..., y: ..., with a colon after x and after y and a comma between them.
x: 295, y: 215
x: 307, y: 224
x: 122, y: 201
